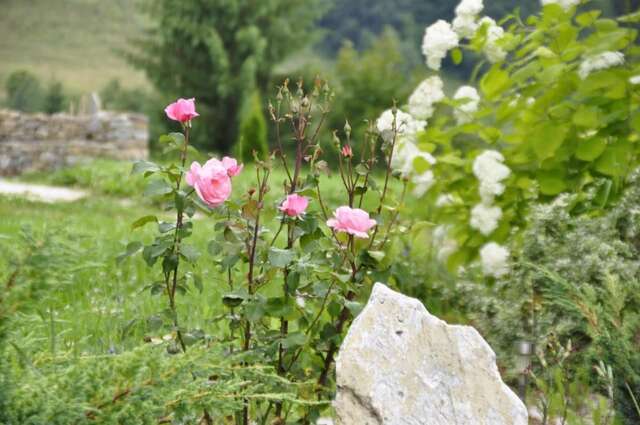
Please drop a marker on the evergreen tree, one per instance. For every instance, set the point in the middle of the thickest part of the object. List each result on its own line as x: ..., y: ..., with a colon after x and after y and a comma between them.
x: 220, y: 51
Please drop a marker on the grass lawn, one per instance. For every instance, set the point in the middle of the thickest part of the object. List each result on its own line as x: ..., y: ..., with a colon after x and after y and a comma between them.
x: 87, y: 303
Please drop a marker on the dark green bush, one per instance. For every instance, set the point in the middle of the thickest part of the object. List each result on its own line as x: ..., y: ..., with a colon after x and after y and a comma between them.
x: 24, y: 92
x: 253, y: 130
x: 55, y: 99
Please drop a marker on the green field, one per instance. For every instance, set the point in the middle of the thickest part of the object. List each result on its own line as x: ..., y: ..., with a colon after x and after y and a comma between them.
x: 74, y: 41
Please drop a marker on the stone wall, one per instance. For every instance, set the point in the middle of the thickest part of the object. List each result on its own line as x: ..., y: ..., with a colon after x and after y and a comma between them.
x: 32, y: 142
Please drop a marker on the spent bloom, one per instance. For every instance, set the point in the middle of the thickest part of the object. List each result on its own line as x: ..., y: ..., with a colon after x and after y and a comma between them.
x: 405, y: 125
x: 428, y: 93
x: 354, y: 221
x: 464, y: 112
x: 489, y: 169
x: 346, y: 151
x: 438, y: 39
x: 599, y: 62
x: 494, y: 259
x: 294, y: 205
x: 485, y: 218
x: 566, y: 4
x: 466, y: 16
x: 183, y: 110
x: 211, y: 181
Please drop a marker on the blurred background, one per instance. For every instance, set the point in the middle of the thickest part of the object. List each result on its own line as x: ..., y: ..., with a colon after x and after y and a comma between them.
x: 138, y: 55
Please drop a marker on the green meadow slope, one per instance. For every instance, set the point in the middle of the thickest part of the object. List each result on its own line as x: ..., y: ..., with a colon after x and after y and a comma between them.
x: 74, y: 41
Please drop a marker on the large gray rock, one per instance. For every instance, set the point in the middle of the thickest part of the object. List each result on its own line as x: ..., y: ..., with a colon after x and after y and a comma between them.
x: 399, y: 365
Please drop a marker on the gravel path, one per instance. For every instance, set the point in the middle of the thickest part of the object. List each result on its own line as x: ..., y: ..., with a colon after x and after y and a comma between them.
x: 37, y: 192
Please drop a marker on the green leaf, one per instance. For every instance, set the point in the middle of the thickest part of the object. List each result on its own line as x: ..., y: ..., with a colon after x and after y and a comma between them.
x: 189, y: 252
x: 197, y: 282
x: 494, y: 83
x: 164, y: 227
x: 144, y: 220
x: 280, y: 257
x: 590, y: 149
x: 157, y: 187
x: 615, y: 159
x: 132, y: 248
x: 293, y: 340
x: 551, y: 182
x: 140, y: 167
x: 547, y: 138
x: 232, y: 300
x: 456, y: 56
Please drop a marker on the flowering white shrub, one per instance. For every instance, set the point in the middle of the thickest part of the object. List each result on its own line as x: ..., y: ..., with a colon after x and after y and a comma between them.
x: 599, y: 62
x: 552, y: 108
x: 566, y: 4
x: 425, y: 96
x: 465, y: 22
x: 489, y: 169
x: 471, y: 99
x: 485, y: 218
x: 494, y: 259
x: 406, y: 126
x: 438, y: 39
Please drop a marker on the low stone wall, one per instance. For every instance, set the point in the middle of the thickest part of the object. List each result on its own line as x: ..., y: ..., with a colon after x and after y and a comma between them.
x: 32, y: 142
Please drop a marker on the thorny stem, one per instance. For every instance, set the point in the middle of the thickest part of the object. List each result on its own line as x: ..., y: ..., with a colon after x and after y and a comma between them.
x: 262, y: 190
x: 176, y: 244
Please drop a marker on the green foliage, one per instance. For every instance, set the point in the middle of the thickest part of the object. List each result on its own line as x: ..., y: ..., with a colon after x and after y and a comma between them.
x: 369, y: 81
x: 114, y: 97
x: 578, y: 279
x: 253, y: 130
x: 55, y: 99
x: 559, y: 128
x: 24, y: 92
x: 226, y: 50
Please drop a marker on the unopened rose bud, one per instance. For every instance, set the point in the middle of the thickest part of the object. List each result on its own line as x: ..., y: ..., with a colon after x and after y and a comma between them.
x: 305, y: 102
x: 347, y: 128
x: 336, y: 140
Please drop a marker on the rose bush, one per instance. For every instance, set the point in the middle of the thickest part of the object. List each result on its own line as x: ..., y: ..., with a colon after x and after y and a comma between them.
x: 296, y: 275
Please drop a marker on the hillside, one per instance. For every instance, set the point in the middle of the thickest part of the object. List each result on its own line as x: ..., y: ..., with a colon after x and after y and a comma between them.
x: 74, y: 41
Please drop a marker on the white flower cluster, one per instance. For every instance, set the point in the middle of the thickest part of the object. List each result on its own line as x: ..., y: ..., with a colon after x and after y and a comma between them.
x: 405, y: 125
x: 464, y: 113
x: 425, y: 96
x: 492, y: 50
x: 446, y: 246
x: 404, y: 155
x: 490, y: 170
x: 635, y: 80
x: 485, y: 218
x: 599, y: 62
x: 566, y: 4
x: 405, y: 150
x: 438, y: 39
x: 494, y: 259
x: 441, y: 36
x: 465, y: 22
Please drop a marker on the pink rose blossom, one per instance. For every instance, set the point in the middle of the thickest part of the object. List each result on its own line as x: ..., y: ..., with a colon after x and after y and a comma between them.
x: 294, y: 205
x: 354, y: 221
x: 211, y: 182
x: 347, y: 152
x: 233, y: 169
x: 182, y: 110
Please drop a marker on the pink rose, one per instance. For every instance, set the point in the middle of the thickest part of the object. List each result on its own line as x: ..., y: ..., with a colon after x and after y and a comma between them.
x: 211, y: 182
x: 233, y: 169
x: 347, y: 152
x: 354, y: 221
x: 294, y: 205
x: 182, y: 110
